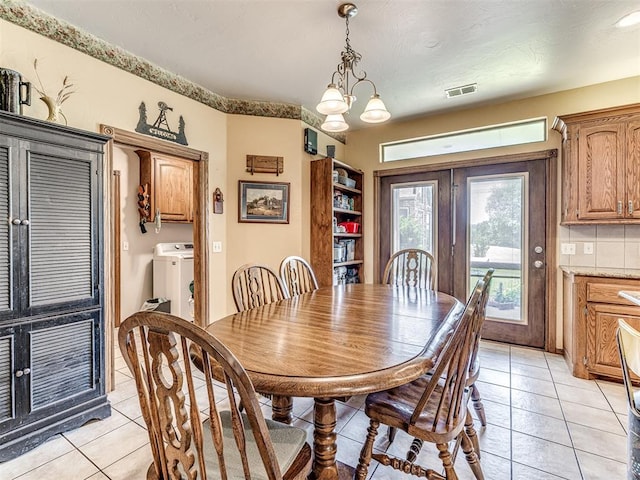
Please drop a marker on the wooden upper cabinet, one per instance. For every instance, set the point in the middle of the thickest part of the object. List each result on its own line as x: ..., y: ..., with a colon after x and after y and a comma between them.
x: 170, y: 181
x: 601, y: 166
x: 633, y: 168
x: 601, y: 185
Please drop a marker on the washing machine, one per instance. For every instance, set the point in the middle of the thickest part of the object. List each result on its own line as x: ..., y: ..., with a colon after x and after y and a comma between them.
x: 172, y: 274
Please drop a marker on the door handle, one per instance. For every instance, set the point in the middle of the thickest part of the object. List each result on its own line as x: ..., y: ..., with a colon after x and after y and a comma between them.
x: 538, y: 264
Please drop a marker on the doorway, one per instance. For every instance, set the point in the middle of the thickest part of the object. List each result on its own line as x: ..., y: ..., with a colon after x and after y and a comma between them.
x: 485, y: 214
x: 126, y: 139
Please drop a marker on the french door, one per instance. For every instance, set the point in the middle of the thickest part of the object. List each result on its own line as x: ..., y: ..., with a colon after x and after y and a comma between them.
x: 415, y: 213
x: 472, y: 219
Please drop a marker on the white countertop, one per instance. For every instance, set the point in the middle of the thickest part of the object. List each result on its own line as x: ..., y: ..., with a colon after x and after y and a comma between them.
x: 603, y: 272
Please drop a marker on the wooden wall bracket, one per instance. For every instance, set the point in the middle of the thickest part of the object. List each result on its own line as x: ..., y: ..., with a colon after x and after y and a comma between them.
x: 265, y: 164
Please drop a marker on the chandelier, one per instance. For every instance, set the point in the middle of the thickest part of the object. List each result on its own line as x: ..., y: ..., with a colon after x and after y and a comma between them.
x: 338, y: 97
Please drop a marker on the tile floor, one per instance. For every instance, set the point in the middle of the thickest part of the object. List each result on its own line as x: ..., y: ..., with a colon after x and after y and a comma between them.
x: 543, y: 424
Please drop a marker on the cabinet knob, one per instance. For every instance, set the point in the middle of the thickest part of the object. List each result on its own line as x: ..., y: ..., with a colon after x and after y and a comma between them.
x: 16, y: 221
x: 25, y: 222
x: 25, y: 371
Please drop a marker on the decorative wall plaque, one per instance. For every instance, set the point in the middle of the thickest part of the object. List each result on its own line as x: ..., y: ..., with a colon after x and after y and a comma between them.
x: 160, y: 128
x: 218, y: 201
x: 265, y: 164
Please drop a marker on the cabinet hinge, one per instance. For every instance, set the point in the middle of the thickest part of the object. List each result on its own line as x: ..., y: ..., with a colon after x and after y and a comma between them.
x: 584, y: 361
x: 586, y: 310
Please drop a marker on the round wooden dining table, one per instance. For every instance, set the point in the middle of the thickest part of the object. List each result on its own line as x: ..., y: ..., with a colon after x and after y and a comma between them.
x: 336, y: 342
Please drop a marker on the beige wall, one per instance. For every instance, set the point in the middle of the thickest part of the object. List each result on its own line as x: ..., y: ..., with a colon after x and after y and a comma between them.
x: 269, y: 243
x: 362, y: 149
x: 107, y: 95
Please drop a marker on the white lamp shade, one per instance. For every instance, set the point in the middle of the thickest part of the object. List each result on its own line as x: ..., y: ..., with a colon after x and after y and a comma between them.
x: 332, y: 102
x: 375, y: 112
x: 334, y: 123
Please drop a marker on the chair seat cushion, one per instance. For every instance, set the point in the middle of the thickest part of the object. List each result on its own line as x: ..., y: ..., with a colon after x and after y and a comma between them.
x: 395, y: 406
x: 287, y: 443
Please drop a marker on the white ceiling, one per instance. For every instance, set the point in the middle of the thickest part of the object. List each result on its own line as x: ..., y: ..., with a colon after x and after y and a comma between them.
x: 285, y: 51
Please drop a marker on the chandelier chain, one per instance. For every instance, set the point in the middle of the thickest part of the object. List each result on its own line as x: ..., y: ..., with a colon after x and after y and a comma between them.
x: 339, y: 97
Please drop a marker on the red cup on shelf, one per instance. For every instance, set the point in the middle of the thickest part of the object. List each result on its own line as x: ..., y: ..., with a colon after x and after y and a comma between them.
x: 350, y: 227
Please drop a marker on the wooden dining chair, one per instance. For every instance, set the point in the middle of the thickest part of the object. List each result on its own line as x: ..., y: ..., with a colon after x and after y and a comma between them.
x: 189, y: 434
x: 474, y: 373
x: 432, y: 408
x: 297, y: 276
x: 254, y: 285
x: 628, y: 339
x: 474, y: 365
x: 410, y: 267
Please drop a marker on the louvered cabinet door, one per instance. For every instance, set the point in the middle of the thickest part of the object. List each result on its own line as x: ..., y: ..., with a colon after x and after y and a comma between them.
x: 10, y: 228
x: 46, y: 368
x: 7, y: 349
x: 63, y: 243
x: 63, y: 360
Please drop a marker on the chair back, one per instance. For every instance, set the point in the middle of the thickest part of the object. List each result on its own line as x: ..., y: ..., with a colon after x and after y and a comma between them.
x: 297, y: 276
x: 448, y: 410
x: 228, y: 444
x: 629, y: 349
x: 255, y: 285
x: 481, y: 315
x: 410, y: 267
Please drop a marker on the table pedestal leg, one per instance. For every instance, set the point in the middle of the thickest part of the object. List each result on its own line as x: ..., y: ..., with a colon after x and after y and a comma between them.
x: 324, y: 440
x: 281, y: 409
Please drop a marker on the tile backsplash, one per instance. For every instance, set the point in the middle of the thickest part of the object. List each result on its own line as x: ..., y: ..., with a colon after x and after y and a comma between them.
x: 613, y: 246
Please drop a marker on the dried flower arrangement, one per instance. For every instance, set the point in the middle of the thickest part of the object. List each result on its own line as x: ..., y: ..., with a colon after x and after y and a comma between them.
x: 54, y: 104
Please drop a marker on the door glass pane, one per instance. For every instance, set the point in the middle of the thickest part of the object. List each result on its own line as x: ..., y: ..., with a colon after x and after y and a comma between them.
x: 413, y: 216
x: 497, y: 214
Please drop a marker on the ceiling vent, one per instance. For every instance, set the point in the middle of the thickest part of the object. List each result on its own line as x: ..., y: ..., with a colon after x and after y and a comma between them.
x: 464, y: 90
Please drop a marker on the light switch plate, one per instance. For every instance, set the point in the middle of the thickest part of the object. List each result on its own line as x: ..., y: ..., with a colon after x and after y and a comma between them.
x: 217, y: 247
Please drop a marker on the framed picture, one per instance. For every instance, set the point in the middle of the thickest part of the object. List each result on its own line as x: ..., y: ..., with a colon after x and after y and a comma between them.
x: 263, y: 202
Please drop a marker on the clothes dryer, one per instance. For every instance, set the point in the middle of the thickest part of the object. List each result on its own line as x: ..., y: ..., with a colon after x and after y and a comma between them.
x: 172, y: 274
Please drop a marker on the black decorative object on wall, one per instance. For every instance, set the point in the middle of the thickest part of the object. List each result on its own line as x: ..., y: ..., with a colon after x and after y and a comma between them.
x: 160, y: 128
x: 310, y: 141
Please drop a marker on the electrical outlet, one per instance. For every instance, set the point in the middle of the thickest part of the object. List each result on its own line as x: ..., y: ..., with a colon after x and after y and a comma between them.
x: 587, y: 248
x: 568, y: 248
x: 217, y: 247
x: 125, y: 246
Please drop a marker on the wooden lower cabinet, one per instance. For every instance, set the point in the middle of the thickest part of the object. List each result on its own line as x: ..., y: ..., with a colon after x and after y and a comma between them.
x: 592, y: 310
x: 602, y: 349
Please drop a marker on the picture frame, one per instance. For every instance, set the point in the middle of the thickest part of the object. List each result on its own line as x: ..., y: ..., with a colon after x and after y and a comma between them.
x: 263, y: 202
